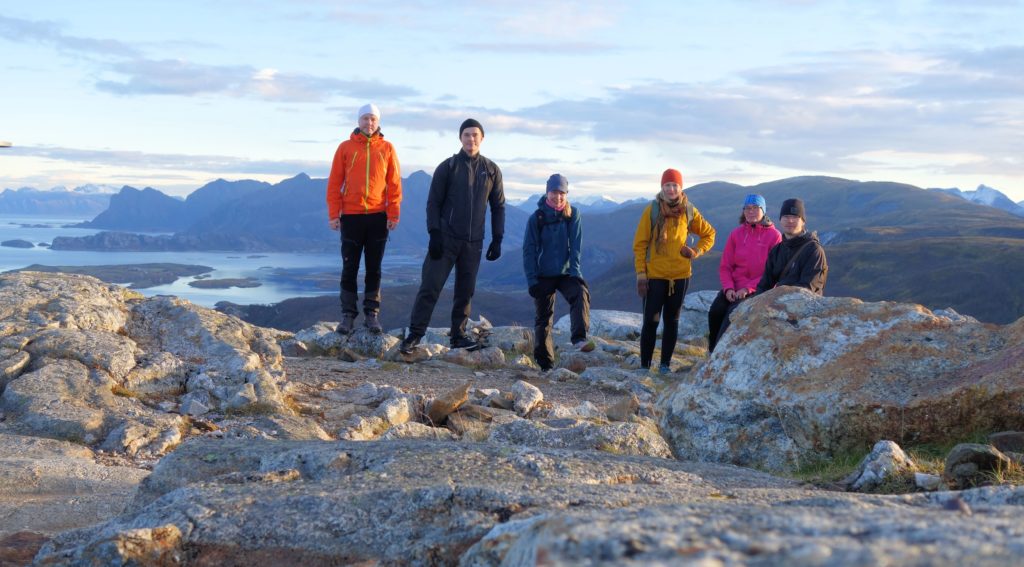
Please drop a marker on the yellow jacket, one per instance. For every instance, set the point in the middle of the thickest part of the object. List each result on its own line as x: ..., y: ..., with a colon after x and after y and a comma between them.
x: 665, y: 262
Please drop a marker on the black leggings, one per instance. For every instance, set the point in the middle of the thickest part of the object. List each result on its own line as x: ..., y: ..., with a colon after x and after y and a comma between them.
x: 658, y: 305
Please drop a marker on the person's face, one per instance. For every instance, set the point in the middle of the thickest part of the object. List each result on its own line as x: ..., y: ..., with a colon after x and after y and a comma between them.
x: 792, y: 225
x: 753, y: 214
x: 471, y: 138
x: 368, y: 124
x: 557, y: 198
x: 672, y: 190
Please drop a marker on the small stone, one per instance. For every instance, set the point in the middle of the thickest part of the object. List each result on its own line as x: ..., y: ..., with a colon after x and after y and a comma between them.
x: 971, y: 464
x: 885, y: 461
x: 926, y: 481
x: 527, y: 396
x: 624, y: 409
x: 193, y: 407
x: 439, y: 408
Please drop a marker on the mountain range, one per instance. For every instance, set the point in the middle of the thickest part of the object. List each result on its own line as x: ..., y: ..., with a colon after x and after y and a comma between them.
x: 85, y: 201
x: 985, y: 195
x: 884, y: 240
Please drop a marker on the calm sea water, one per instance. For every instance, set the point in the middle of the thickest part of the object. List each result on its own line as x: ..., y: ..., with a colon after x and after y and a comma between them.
x: 260, y: 266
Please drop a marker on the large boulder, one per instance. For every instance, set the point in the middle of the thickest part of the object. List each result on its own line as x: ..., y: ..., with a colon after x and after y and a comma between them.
x: 801, y: 377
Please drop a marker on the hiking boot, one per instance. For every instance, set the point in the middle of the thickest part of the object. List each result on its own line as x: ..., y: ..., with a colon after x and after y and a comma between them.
x: 348, y: 323
x: 373, y: 323
x: 664, y: 369
x: 462, y: 341
x: 585, y: 345
x: 409, y: 344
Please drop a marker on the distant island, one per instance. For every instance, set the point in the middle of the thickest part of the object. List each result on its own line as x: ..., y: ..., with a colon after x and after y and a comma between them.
x: 140, y: 276
x: 224, y: 283
x: 17, y: 243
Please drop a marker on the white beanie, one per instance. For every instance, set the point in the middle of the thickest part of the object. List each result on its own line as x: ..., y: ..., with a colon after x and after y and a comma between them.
x: 368, y: 109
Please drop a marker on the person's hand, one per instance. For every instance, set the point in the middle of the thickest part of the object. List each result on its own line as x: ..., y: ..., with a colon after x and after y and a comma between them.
x: 742, y: 293
x: 730, y: 295
x: 580, y: 280
x: 436, y: 245
x: 688, y: 252
x: 335, y: 224
x: 494, y: 250
x: 392, y: 224
x: 641, y: 286
x: 534, y: 290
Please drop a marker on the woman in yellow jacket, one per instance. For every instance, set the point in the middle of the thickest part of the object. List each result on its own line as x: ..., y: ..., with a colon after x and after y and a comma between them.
x: 664, y: 263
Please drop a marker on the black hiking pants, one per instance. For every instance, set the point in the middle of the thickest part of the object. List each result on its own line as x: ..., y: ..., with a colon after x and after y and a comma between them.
x: 362, y: 235
x: 577, y: 294
x: 663, y: 303
x: 717, y: 317
x: 464, y: 256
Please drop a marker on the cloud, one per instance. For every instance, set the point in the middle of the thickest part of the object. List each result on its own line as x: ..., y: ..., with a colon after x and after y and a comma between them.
x: 561, y: 48
x: 185, y: 78
x: 815, y: 116
x: 49, y: 33
x: 172, y: 162
x: 127, y: 72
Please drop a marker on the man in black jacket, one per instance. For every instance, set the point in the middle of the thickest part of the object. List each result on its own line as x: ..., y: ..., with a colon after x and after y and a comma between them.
x: 799, y: 260
x: 460, y: 191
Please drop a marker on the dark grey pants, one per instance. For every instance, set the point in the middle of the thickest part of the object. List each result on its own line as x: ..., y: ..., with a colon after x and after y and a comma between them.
x: 462, y: 255
x: 577, y: 294
x: 362, y: 234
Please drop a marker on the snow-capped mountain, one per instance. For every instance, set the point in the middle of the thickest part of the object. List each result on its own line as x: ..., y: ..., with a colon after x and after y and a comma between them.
x: 989, y: 196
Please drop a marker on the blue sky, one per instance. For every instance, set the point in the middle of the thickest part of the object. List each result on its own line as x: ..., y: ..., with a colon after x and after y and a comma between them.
x: 175, y: 94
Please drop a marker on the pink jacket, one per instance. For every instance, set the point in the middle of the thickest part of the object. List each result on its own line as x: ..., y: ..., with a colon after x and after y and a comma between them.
x: 745, y: 254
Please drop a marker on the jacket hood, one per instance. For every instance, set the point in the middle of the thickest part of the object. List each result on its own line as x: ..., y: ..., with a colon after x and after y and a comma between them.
x: 800, y: 240
x: 358, y: 136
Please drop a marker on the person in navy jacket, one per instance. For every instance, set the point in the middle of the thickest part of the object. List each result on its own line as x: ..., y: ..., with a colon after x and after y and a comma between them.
x: 551, y: 260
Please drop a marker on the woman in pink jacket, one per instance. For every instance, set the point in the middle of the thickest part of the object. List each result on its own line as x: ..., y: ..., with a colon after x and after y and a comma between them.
x: 742, y: 262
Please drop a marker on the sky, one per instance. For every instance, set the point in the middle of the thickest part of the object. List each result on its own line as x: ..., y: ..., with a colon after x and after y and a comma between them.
x: 173, y: 95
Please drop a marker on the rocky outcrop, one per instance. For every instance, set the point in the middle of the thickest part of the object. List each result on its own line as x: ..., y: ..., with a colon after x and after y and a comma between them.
x: 98, y: 364
x: 800, y: 377
x: 418, y: 502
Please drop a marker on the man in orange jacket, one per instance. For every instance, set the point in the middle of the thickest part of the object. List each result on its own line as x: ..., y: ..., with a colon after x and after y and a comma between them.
x: 364, y: 197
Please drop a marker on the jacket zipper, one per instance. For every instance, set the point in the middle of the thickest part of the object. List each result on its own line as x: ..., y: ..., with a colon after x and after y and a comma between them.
x: 366, y: 189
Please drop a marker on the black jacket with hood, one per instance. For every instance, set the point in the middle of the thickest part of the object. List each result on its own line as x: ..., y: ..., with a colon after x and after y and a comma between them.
x: 809, y: 270
x: 460, y: 191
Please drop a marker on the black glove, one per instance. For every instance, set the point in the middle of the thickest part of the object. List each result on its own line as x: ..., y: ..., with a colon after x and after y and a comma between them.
x: 436, y: 245
x: 494, y: 250
x: 534, y: 290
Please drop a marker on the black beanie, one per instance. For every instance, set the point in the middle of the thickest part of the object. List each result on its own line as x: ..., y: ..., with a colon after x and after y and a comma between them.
x: 469, y: 123
x: 793, y: 207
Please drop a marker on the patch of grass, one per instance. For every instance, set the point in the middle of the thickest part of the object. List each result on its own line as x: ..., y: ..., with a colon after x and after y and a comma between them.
x: 606, y: 447
x: 123, y: 392
x: 826, y: 471
x: 259, y: 408
x: 1013, y: 473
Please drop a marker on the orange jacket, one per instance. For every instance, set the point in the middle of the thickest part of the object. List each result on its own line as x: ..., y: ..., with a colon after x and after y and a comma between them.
x: 364, y: 178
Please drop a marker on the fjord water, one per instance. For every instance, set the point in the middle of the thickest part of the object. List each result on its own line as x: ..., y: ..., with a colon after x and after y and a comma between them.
x: 259, y: 266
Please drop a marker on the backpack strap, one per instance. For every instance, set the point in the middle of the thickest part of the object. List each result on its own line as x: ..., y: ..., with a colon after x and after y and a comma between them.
x: 654, y: 220
x: 792, y: 261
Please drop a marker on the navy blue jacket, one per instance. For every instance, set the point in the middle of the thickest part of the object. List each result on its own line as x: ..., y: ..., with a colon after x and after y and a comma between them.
x: 553, y: 244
